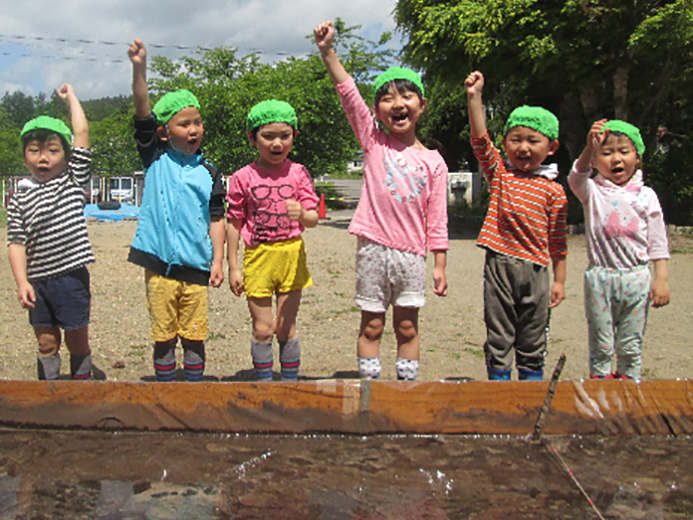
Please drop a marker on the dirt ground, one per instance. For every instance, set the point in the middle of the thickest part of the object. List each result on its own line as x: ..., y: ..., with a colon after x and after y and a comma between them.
x: 452, y: 328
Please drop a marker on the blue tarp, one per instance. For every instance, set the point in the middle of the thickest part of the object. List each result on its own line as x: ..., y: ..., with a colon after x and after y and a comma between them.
x: 111, y: 215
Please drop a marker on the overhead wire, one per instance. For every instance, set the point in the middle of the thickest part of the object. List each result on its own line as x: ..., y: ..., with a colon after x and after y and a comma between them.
x: 38, y: 42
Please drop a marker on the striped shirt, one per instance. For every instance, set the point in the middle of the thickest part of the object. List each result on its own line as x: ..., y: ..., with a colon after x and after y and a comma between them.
x: 48, y: 219
x: 526, y: 218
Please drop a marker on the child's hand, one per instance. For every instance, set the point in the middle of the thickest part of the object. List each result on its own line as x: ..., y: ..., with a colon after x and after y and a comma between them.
x: 324, y: 35
x: 659, y: 293
x: 26, y: 295
x: 216, y: 274
x: 595, y: 136
x: 236, y: 282
x: 440, y: 282
x: 557, y: 294
x: 65, y: 91
x: 474, y: 83
x: 137, y: 52
x: 294, y: 209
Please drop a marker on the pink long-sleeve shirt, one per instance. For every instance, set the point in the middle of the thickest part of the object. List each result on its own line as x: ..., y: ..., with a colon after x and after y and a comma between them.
x: 403, y: 201
x: 624, y: 225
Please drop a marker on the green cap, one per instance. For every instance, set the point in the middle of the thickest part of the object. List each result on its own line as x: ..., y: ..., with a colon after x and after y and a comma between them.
x: 172, y: 103
x: 271, y: 111
x: 537, y: 118
x: 394, y: 73
x: 48, y: 123
x: 631, y: 131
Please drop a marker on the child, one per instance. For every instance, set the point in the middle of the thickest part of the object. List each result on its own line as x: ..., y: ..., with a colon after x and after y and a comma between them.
x: 48, y: 242
x: 180, y: 234
x: 525, y: 226
x: 401, y: 213
x: 625, y: 230
x: 270, y: 202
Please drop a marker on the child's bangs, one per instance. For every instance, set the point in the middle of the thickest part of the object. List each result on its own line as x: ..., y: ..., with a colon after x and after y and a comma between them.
x: 618, y: 135
x: 402, y: 86
x: 42, y: 135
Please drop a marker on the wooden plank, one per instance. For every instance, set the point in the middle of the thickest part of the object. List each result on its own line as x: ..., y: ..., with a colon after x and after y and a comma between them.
x: 657, y: 407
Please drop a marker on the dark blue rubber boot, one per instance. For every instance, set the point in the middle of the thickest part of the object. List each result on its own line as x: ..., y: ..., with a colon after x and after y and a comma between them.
x: 496, y: 374
x: 524, y: 374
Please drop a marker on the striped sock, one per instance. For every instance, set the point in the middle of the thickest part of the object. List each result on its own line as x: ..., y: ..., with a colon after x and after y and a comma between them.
x: 48, y: 367
x: 290, y: 358
x: 369, y: 367
x: 80, y: 367
x: 164, y: 361
x: 262, y: 359
x: 194, y: 361
x: 407, y: 369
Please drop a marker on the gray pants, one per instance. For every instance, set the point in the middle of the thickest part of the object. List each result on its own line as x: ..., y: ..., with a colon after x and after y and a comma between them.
x: 516, y: 311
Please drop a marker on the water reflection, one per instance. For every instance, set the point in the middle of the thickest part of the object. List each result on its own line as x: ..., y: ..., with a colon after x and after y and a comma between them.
x: 200, y: 476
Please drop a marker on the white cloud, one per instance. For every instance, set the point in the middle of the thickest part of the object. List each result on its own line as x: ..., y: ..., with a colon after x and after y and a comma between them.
x: 96, y: 70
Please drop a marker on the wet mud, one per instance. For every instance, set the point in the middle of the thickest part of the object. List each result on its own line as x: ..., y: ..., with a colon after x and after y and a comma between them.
x: 126, y: 475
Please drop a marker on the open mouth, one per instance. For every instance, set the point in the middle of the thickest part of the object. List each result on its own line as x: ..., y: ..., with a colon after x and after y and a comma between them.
x: 399, y: 117
x: 618, y: 169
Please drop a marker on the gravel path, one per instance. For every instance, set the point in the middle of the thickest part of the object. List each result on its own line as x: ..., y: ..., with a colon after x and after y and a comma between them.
x: 452, y: 328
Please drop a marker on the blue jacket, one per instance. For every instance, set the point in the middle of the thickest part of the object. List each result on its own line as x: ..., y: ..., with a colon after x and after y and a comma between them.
x: 181, y: 194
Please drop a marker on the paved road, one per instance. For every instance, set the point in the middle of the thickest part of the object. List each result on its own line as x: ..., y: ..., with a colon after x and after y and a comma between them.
x: 349, y: 189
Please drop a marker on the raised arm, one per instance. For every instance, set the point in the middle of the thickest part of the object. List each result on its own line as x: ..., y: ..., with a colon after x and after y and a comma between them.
x: 137, y: 53
x: 80, y: 127
x: 324, y: 38
x: 594, y: 138
x: 475, y: 85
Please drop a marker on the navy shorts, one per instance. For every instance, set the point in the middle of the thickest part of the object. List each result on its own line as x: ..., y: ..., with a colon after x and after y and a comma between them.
x: 64, y: 301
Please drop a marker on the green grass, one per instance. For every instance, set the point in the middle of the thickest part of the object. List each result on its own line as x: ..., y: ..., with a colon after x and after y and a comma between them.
x: 3, y: 217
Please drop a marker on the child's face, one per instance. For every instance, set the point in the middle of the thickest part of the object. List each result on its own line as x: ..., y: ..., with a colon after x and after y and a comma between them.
x: 399, y: 111
x: 184, y: 131
x: 45, y: 160
x: 617, y: 159
x: 274, y: 142
x: 527, y: 148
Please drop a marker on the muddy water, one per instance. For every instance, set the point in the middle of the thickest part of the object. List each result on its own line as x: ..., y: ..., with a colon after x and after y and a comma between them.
x: 96, y: 475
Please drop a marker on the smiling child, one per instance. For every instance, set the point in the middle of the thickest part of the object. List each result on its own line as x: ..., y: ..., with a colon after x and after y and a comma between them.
x: 402, y: 212
x: 524, y: 229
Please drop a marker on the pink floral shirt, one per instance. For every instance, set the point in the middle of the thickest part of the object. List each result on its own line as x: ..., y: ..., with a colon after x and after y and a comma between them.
x: 403, y: 201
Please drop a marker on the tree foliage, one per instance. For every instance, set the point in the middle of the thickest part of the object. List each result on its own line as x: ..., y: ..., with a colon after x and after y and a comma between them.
x: 583, y: 60
x: 227, y: 86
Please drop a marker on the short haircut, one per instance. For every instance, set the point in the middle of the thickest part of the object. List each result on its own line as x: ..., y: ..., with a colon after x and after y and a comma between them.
x: 42, y: 135
x: 402, y: 86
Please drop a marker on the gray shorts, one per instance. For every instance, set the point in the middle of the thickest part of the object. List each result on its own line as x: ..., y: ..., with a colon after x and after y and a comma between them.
x: 387, y: 276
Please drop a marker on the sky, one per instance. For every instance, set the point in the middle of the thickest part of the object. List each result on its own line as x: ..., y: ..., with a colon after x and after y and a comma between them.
x: 44, y: 44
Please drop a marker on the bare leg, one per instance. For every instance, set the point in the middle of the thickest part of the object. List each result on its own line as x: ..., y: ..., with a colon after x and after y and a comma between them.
x: 287, y: 311
x: 48, y: 362
x: 406, y: 325
x: 370, y: 334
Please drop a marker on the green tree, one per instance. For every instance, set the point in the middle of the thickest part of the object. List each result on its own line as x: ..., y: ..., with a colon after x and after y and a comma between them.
x: 18, y: 108
x: 228, y: 86
x: 582, y: 60
x: 113, y: 148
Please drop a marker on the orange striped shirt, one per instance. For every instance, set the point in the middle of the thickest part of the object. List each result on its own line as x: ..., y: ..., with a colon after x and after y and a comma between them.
x: 527, y: 213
